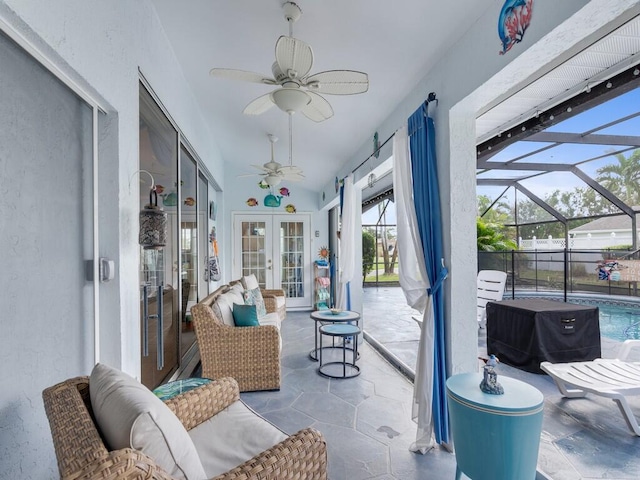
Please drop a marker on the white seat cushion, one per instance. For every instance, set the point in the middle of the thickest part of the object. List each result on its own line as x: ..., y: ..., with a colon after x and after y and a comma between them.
x: 232, y: 437
x: 271, y: 319
x: 281, y: 301
x: 129, y: 415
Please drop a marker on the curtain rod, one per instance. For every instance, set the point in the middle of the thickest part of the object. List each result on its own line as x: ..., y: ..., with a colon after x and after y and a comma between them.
x: 430, y: 98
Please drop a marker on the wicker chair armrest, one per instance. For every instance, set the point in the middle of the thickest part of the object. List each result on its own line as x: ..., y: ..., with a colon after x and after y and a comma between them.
x: 302, y: 456
x: 274, y: 291
x: 270, y: 303
x: 202, y: 403
x: 127, y: 464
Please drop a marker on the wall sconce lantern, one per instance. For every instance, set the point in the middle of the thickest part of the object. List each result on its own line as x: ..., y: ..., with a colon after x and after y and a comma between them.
x: 153, y: 221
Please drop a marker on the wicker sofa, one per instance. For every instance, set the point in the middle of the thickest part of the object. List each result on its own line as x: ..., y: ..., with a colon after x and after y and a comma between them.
x: 82, y: 453
x: 250, y: 355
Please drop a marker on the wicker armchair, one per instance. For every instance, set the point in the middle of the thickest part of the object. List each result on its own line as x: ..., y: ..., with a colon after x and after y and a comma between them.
x: 271, y: 303
x: 251, y: 355
x: 81, y: 453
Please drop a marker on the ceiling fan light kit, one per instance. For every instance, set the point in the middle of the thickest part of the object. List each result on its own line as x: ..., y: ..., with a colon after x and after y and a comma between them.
x: 290, y: 100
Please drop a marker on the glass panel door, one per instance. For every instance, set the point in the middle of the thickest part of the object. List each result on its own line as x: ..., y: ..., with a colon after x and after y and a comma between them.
x: 293, y: 271
x: 276, y: 249
x: 159, y: 280
x: 253, y: 245
x: 189, y: 246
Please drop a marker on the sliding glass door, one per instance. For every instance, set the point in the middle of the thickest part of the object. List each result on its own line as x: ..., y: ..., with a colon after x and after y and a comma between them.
x: 159, y: 281
x: 193, y: 225
x: 171, y: 277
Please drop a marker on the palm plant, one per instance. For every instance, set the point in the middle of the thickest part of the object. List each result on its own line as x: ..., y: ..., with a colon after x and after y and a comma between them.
x: 623, y: 179
x: 491, y: 239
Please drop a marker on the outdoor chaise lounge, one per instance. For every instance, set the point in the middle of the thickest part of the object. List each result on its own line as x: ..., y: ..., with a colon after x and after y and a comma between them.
x: 490, y: 287
x: 610, y: 378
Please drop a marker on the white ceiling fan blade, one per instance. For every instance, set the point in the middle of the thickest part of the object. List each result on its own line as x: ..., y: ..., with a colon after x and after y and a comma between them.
x: 261, y: 168
x: 250, y: 175
x: 338, y: 82
x: 271, y: 166
x: 294, y: 177
x: 241, y: 75
x: 294, y: 57
x: 259, y: 105
x: 290, y: 170
x: 318, y: 109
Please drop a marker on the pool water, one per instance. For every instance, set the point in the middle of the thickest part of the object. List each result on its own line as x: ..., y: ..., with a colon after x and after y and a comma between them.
x: 620, y: 322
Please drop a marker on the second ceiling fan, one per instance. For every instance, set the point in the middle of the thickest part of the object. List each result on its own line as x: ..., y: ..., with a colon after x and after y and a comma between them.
x: 298, y: 91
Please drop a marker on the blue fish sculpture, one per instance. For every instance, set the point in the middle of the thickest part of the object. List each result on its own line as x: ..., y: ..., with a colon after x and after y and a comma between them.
x: 272, y: 201
x: 514, y: 20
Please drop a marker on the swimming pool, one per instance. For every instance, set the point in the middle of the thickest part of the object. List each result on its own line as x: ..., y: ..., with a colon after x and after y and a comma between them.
x: 619, y: 322
x: 619, y: 316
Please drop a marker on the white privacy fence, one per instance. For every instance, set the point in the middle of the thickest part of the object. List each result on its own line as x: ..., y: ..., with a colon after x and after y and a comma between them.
x: 581, y: 243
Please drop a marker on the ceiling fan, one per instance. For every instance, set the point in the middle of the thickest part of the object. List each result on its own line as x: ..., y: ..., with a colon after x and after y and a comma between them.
x: 273, y: 172
x: 298, y: 91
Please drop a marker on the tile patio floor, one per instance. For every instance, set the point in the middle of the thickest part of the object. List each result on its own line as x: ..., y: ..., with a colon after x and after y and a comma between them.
x: 367, y: 419
x: 581, y: 438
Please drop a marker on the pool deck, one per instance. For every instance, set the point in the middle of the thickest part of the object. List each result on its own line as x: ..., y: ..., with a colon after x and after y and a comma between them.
x: 585, y: 438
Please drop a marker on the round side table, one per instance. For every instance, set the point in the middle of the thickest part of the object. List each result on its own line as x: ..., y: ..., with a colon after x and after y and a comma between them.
x: 324, y: 317
x: 348, y: 370
x: 496, y: 437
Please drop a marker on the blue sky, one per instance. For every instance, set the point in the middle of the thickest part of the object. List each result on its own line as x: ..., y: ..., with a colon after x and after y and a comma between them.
x: 619, y: 107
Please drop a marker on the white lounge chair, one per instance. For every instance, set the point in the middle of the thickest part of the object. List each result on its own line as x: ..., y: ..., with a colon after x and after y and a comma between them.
x: 490, y: 288
x: 610, y: 378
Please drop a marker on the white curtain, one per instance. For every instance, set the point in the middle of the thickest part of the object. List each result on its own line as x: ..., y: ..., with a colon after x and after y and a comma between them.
x: 414, y: 282
x: 347, y: 265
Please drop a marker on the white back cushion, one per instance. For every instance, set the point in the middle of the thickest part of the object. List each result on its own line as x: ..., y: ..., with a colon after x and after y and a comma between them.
x: 250, y: 282
x: 236, y: 293
x: 225, y: 305
x: 129, y: 415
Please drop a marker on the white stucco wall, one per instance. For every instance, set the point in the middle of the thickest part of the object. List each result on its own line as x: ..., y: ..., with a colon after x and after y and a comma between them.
x: 105, y: 45
x: 102, y: 46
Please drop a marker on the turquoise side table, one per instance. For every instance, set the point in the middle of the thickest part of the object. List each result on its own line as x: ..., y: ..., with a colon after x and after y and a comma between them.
x: 496, y: 437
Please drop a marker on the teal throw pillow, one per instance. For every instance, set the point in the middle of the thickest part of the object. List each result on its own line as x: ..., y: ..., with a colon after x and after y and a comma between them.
x: 254, y: 297
x: 245, y: 315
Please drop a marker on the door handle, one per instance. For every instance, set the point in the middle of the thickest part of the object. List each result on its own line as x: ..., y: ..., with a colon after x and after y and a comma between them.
x: 160, y: 323
x: 145, y: 320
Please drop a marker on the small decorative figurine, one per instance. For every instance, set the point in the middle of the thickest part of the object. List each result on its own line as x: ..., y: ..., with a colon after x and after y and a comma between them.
x: 489, y: 382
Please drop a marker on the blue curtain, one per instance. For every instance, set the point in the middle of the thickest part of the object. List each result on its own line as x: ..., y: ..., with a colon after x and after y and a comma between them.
x: 427, y: 203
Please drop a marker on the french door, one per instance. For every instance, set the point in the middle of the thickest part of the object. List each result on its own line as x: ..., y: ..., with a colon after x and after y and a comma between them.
x: 276, y: 248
